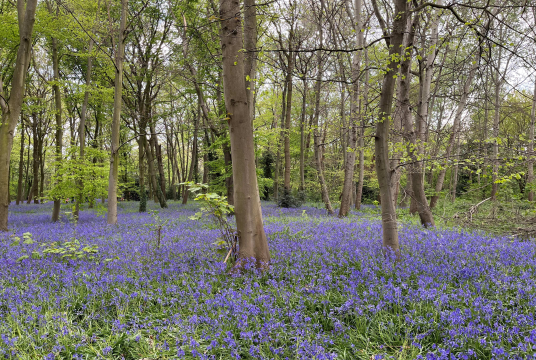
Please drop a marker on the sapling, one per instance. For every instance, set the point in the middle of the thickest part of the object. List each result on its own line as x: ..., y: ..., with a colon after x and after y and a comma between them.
x: 217, y: 208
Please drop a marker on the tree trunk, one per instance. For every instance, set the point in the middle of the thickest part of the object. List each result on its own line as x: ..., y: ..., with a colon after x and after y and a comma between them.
x: 302, y: 136
x: 12, y: 108
x: 455, y: 128
x: 250, y: 44
x: 82, y: 130
x: 530, y: 155
x: 416, y: 136
x: 227, y: 158
x: 42, y: 155
x: 355, y: 114
x: 496, y: 118
x: 288, y: 116
x: 455, y: 173
x: 141, y: 159
x: 278, y: 143
x: 361, y: 140
x: 316, y: 133
x: 114, y: 150
x: 250, y: 229
x: 381, y: 141
x: 21, y: 165
x: 59, y: 122
x: 34, y: 192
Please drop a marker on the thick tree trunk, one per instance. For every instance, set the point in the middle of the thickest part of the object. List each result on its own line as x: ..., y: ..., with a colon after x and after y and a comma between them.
x: 12, y: 108
x: 21, y: 166
x: 114, y: 151
x: 355, y: 114
x: 530, y: 155
x: 252, y: 238
x: 250, y: 44
x: 59, y: 122
x: 381, y: 141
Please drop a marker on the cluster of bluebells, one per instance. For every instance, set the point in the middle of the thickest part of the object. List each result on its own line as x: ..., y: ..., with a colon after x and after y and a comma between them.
x: 330, y: 293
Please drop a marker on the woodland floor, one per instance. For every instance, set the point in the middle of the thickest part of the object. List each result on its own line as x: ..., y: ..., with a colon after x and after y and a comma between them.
x: 329, y: 294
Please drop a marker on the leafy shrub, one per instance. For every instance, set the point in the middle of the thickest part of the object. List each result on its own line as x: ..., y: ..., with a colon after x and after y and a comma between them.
x: 287, y: 200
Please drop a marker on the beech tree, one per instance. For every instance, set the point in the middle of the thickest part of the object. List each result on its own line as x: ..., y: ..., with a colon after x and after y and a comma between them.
x: 249, y: 223
x: 11, y: 101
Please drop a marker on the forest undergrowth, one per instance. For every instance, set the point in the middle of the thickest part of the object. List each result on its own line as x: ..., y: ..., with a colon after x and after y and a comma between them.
x: 88, y: 290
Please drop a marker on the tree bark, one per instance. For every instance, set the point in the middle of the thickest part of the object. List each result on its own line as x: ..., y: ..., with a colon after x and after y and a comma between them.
x: 34, y: 192
x: 11, y: 108
x: 141, y: 159
x: 21, y: 165
x: 250, y: 229
x: 82, y: 130
x: 355, y: 114
x: 118, y: 89
x: 361, y: 140
x: 288, y: 115
x: 496, y: 118
x: 381, y: 141
x: 455, y: 128
x: 302, y: 136
x: 530, y: 155
x: 416, y: 136
x: 250, y: 44
x: 59, y: 122
x: 316, y: 133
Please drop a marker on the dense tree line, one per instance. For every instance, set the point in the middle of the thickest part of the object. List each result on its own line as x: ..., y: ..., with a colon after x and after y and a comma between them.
x: 336, y: 101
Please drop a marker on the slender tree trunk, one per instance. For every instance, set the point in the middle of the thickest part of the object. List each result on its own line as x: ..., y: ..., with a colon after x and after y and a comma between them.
x: 42, y: 155
x: 530, y: 155
x: 59, y: 122
x: 416, y: 136
x: 34, y: 192
x: 114, y: 151
x: 496, y: 119
x: 381, y: 141
x: 288, y: 115
x: 227, y: 158
x: 455, y: 173
x: 193, y: 165
x: 302, y: 136
x: 455, y: 128
x: 250, y: 229
x: 82, y: 130
x: 355, y: 114
x: 12, y: 108
x: 141, y: 159
x: 21, y: 166
x: 279, y: 141
x: 316, y: 133
x: 361, y: 140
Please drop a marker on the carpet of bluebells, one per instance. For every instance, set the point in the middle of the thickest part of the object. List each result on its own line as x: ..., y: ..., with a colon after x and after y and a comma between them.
x: 329, y: 294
